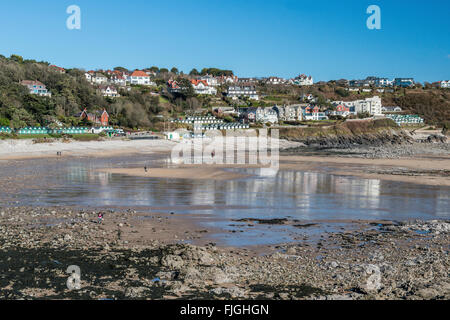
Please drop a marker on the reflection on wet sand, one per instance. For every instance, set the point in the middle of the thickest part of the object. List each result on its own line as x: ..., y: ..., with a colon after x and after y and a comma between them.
x: 263, y: 194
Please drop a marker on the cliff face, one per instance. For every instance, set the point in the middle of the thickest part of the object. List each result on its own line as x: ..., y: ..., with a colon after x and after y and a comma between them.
x: 364, y: 139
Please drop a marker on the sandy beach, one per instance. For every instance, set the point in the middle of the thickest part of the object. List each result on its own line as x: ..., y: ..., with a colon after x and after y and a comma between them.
x: 423, y: 169
x: 26, y: 149
x: 166, y: 253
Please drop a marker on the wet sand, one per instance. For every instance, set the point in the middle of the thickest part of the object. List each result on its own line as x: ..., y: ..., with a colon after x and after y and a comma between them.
x: 426, y: 170
x: 421, y: 169
x: 195, y: 173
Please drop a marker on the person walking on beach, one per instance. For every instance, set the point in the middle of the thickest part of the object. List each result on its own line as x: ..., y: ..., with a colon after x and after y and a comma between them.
x: 100, y: 217
x: 145, y: 168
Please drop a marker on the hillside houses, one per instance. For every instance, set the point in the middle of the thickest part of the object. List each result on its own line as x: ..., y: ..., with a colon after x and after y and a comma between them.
x: 391, y: 109
x: 302, y: 80
x: 444, y: 84
x: 96, y: 78
x: 308, y: 98
x: 202, y: 87
x: 313, y: 113
x: 36, y: 87
x: 99, y: 78
x: 289, y: 112
x: 118, y: 80
x: 266, y: 115
x: 247, y: 81
x: 261, y: 115
x: 95, y: 117
x: 173, y: 86
x: 369, y: 105
x: 342, y: 110
x: 221, y: 80
x: 404, y: 82
x: 140, y: 78
x: 378, y: 82
x: 248, y: 91
x: 275, y: 80
x: 108, y: 91
x: 57, y: 69
x: 210, y: 80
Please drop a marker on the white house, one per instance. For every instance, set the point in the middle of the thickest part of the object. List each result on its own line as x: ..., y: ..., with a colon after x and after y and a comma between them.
x: 202, y: 87
x: 303, y: 80
x: 226, y: 79
x: 275, y: 80
x: 140, y: 78
x: 265, y: 115
x: 289, y: 113
x: 210, y: 80
x: 383, y: 82
x: 99, y: 78
x: 388, y: 109
x: 36, y: 87
x: 108, y: 91
x: 118, y: 80
x: 89, y: 75
x: 444, y: 84
x: 308, y: 97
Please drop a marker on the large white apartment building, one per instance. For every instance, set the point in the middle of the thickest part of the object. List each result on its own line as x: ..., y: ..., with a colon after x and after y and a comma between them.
x: 249, y: 91
x: 369, y: 105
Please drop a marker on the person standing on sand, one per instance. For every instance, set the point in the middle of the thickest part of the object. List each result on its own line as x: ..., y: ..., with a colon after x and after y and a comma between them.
x: 145, y: 168
x: 100, y: 217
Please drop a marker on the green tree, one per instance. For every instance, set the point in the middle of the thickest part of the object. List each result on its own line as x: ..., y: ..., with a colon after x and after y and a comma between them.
x: 154, y: 69
x: 194, y: 72
x: 16, y: 58
x: 186, y: 89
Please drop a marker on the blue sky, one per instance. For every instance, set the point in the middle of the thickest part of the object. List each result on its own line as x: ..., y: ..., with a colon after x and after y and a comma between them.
x: 327, y: 39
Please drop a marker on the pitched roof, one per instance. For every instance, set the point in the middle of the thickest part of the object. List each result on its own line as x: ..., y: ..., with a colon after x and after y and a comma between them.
x: 106, y: 87
x: 56, y: 67
x: 31, y: 83
x: 197, y: 82
x: 138, y: 73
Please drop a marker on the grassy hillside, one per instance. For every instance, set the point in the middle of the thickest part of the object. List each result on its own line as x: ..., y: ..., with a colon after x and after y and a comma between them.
x: 430, y: 103
x: 344, y: 129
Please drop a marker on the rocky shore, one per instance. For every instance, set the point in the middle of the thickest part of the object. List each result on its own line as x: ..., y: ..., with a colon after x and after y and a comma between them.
x: 373, y: 151
x: 379, y: 260
x: 387, y: 143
